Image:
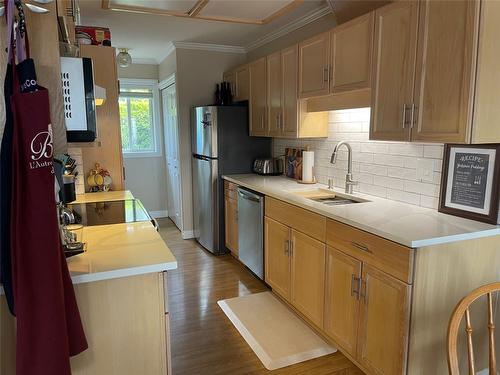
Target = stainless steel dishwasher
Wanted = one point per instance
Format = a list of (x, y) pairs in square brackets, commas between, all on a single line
[(251, 230)]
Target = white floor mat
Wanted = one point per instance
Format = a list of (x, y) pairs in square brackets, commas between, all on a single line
[(277, 336)]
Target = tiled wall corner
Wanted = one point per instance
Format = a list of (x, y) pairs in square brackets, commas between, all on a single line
[(384, 169)]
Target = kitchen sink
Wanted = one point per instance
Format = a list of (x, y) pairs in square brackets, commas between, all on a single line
[(329, 197)]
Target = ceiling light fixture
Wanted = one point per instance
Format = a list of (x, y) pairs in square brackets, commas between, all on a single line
[(124, 59)]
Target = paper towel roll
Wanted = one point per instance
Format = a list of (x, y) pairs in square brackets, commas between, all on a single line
[(307, 166)]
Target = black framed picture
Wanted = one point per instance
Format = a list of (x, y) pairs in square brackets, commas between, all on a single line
[(470, 182)]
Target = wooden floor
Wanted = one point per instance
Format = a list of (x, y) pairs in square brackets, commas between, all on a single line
[(203, 340)]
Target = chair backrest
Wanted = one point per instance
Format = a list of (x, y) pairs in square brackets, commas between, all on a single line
[(463, 308)]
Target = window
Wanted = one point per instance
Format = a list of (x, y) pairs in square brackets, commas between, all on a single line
[(139, 118)]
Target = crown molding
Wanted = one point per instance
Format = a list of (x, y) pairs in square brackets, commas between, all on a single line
[(168, 50), (292, 26), (210, 47)]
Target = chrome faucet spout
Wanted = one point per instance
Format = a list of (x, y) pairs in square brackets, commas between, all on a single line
[(349, 182)]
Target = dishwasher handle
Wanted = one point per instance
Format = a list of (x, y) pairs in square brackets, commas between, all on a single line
[(249, 196)]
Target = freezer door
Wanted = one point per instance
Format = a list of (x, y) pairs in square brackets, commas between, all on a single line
[(205, 202), (204, 131)]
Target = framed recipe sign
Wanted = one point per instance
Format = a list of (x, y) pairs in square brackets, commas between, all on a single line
[(470, 182)]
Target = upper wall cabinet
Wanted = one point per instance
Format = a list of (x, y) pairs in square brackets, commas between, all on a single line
[(258, 98), (425, 94), (351, 54), (393, 69), (239, 81), (314, 67)]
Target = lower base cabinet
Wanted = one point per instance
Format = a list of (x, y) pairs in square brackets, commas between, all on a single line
[(383, 322), (308, 276), (126, 322), (295, 269)]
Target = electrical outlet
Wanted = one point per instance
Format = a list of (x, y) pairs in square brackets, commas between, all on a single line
[(425, 170)]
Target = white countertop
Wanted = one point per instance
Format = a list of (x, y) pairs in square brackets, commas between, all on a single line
[(403, 223), (120, 250)]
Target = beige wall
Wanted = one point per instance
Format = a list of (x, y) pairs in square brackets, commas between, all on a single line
[(168, 66), (145, 71), (197, 74), (146, 178), (323, 24)]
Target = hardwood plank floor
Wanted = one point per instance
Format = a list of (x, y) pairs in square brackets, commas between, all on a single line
[(203, 340)]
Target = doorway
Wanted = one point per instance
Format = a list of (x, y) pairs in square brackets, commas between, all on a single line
[(171, 131)]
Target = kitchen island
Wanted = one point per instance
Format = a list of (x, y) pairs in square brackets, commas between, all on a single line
[(120, 286), (379, 279)]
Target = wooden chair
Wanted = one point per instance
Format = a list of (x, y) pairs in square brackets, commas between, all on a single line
[(463, 309)]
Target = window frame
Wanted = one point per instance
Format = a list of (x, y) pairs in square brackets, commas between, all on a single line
[(152, 85)]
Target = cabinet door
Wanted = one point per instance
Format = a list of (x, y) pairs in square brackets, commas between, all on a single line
[(274, 88), (277, 256), (314, 54), (445, 70), (343, 275), (242, 83), (231, 78), (384, 323), (308, 276), (258, 100), (351, 48), (231, 224), (393, 70), (289, 74)]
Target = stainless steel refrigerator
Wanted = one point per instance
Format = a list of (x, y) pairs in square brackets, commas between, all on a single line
[(221, 145)]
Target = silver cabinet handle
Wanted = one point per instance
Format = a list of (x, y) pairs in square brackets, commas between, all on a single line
[(291, 247), (355, 290), (414, 115), (364, 290), (287, 247), (361, 247), (325, 73), (403, 121)]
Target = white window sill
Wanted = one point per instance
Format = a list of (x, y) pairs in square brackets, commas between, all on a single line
[(135, 155)]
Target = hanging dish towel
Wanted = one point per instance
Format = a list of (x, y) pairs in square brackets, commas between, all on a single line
[(49, 329)]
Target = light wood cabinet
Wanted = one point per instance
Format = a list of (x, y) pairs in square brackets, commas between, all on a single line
[(258, 98), (230, 77), (314, 56), (308, 276), (384, 323), (274, 94), (425, 80), (445, 71), (242, 83), (277, 257), (231, 224), (351, 54), (109, 154), (393, 70), (290, 114), (343, 274)]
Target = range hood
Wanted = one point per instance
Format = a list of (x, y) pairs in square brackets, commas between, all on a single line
[(79, 99)]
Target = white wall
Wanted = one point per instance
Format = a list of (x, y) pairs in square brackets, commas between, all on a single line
[(384, 169), (146, 177), (196, 76)]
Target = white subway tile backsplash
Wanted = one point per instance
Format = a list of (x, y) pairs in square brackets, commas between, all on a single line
[(384, 169)]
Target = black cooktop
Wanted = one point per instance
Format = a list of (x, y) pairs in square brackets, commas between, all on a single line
[(112, 212)]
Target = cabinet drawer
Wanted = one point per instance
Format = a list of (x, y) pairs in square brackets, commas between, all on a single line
[(388, 256), (305, 221), (230, 190)]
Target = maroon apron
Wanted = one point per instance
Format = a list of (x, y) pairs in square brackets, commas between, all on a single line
[(49, 329)]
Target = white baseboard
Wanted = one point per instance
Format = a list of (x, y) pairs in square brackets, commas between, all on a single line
[(158, 214), (187, 234)]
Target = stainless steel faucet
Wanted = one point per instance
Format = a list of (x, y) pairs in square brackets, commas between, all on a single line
[(349, 182)]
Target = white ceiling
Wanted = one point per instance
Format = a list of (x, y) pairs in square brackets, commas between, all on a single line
[(149, 36)]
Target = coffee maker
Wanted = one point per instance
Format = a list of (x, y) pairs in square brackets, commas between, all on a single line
[(63, 166)]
